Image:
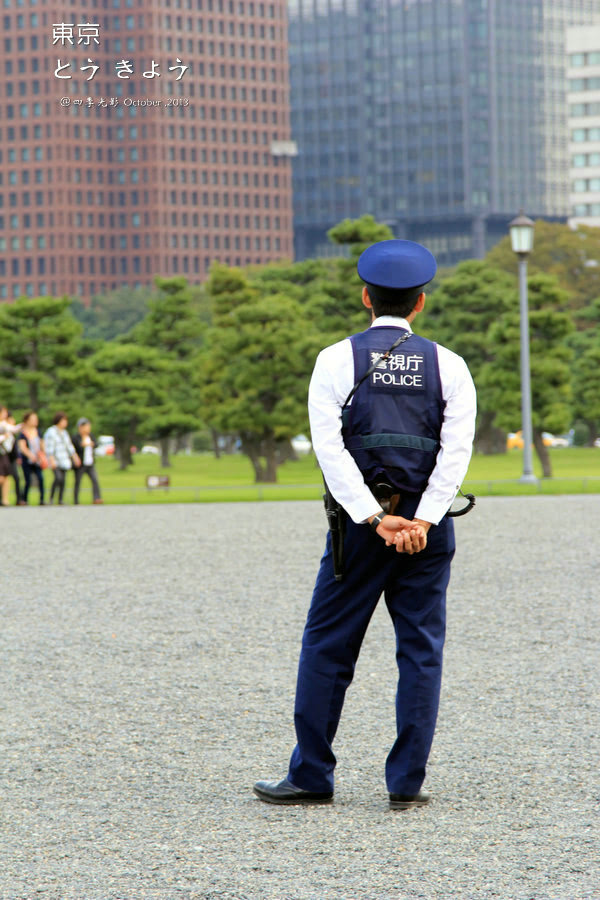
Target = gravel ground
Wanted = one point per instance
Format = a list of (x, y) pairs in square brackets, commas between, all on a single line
[(147, 672)]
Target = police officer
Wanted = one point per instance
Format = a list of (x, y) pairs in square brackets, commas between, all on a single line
[(410, 426)]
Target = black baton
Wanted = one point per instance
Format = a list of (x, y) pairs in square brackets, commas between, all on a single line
[(336, 517)]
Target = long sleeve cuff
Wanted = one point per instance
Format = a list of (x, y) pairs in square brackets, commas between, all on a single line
[(360, 510), (431, 510)]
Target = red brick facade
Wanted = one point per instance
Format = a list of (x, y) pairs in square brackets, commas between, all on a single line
[(178, 173)]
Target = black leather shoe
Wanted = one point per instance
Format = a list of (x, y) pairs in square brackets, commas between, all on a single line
[(286, 792), (409, 801)]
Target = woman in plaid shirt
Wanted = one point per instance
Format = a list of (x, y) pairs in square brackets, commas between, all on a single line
[(61, 454)]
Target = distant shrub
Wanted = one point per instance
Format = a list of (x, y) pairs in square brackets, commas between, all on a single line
[(202, 441), (581, 434)]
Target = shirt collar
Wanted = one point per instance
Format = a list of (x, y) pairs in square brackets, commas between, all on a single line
[(394, 321)]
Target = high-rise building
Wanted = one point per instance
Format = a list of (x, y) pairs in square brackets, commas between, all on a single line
[(583, 47), (440, 117), (140, 138)]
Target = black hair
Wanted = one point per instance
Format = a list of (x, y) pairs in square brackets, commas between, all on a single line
[(58, 417), (392, 302)]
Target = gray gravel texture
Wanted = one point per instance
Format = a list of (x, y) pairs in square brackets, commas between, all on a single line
[(147, 666)]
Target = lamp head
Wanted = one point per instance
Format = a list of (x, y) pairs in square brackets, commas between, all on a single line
[(521, 234)]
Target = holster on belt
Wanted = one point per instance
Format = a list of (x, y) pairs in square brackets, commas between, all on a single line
[(387, 496)]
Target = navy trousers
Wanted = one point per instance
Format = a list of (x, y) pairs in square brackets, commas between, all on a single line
[(415, 594)]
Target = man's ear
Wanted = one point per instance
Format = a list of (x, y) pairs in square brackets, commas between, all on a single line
[(417, 308), (366, 299)]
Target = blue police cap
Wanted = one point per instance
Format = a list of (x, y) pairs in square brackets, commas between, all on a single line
[(397, 265)]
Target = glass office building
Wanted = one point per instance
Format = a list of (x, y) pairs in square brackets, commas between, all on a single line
[(583, 46), (440, 117)]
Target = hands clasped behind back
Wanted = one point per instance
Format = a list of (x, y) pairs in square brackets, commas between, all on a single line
[(408, 536)]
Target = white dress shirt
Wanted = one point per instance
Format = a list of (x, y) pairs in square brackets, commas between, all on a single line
[(331, 382), (88, 453)]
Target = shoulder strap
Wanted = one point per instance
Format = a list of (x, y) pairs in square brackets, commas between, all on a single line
[(371, 369)]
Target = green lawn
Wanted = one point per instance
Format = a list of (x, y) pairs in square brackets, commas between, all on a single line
[(574, 470), (204, 478)]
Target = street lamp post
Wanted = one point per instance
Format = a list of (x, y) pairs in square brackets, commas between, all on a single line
[(521, 237)]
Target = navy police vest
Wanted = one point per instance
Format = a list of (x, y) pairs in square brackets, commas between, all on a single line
[(392, 427)]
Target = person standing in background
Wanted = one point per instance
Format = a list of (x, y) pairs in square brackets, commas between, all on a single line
[(15, 459), (9, 456), (31, 449), (61, 454), (84, 443), (7, 439)]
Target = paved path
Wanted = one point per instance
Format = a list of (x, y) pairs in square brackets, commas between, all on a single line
[(147, 669)]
